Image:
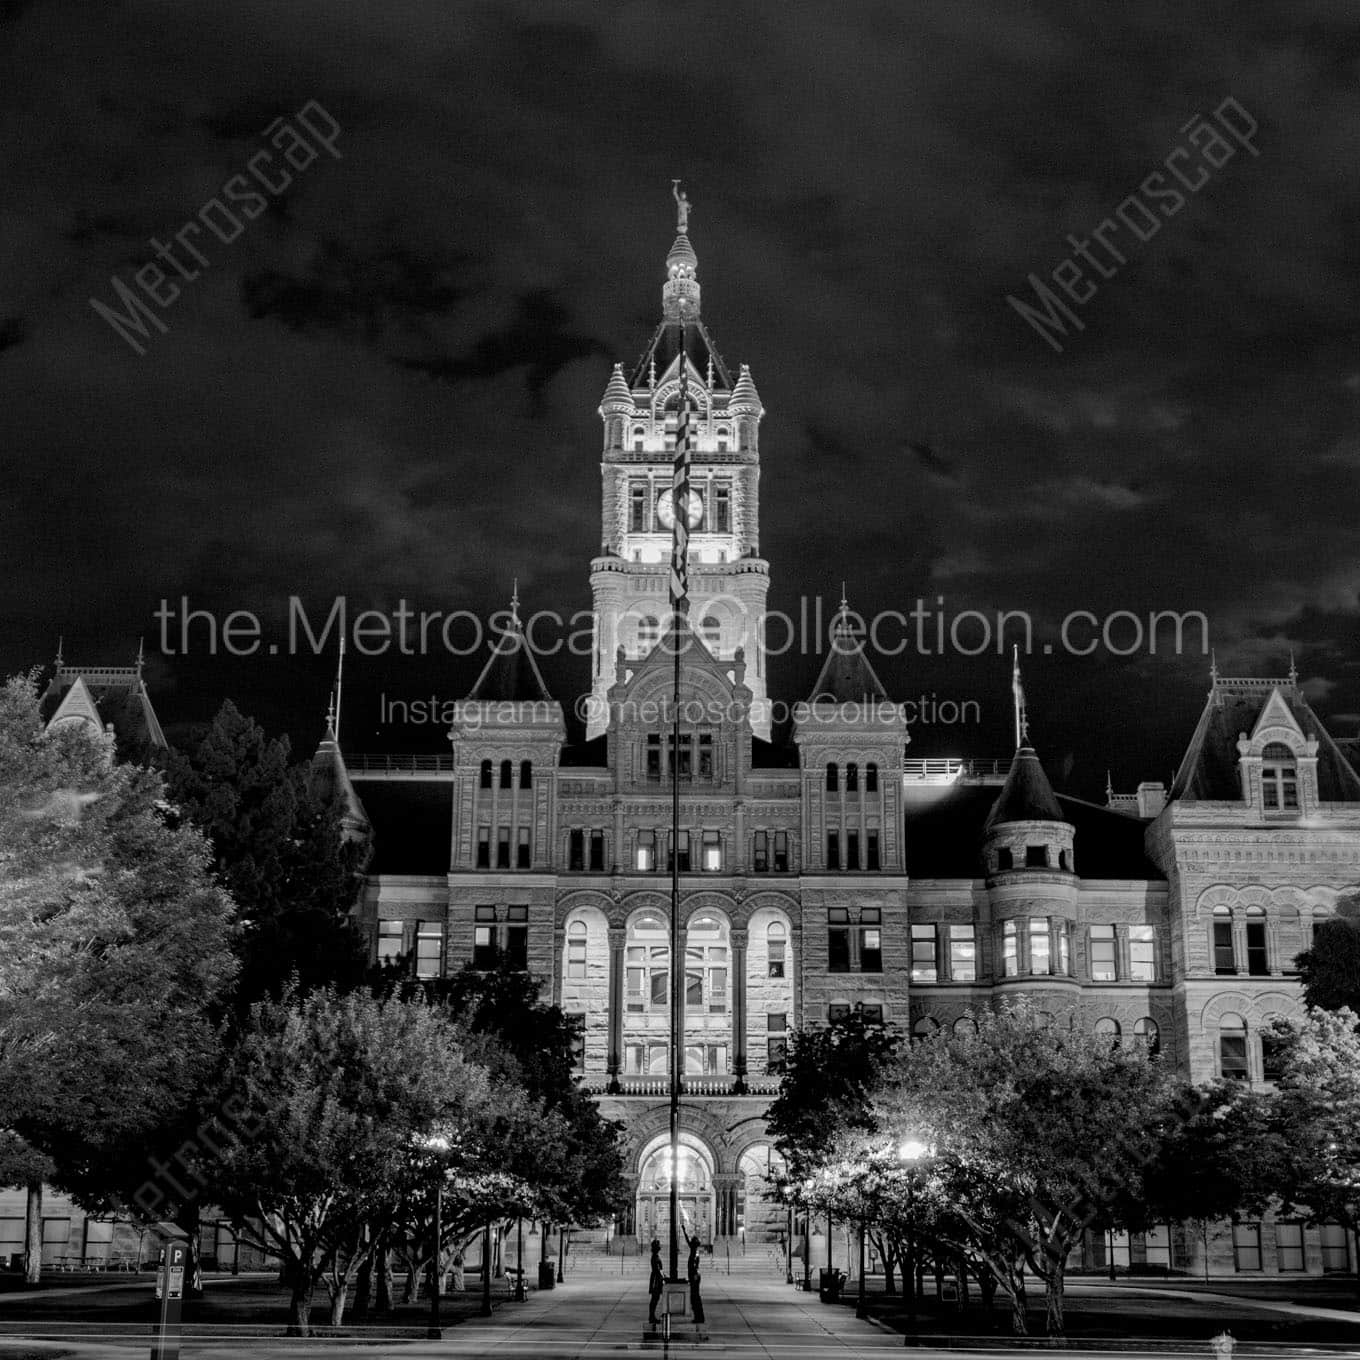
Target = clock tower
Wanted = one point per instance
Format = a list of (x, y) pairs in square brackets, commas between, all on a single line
[(728, 579)]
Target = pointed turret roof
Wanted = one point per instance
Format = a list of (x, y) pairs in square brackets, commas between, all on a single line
[(744, 394), (1026, 796), (511, 674), (847, 676), (105, 696), (616, 397), (664, 348), (329, 779)]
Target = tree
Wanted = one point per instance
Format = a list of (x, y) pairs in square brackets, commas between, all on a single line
[(1330, 968), (1318, 1108), (114, 946), (281, 852), (326, 1101), (1051, 1124)]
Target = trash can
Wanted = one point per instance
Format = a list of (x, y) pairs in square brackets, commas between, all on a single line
[(547, 1274)]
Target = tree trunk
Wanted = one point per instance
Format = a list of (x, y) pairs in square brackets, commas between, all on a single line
[(1053, 1300), (987, 1287), (363, 1290), (1019, 1322), (962, 1268), (300, 1305), (33, 1234), (338, 1302), (1355, 1240), (383, 1266), (187, 1221), (408, 1294)]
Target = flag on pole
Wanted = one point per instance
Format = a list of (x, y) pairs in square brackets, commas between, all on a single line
[(1018, 691), (680, 495)]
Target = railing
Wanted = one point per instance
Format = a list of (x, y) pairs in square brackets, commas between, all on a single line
[(950, 769), (597, 1084), (410, 767)]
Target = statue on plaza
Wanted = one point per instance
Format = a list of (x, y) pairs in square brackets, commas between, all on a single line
[(656, 1282), (696, 1304)]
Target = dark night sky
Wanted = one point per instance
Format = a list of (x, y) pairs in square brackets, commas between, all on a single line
[(386, 386)]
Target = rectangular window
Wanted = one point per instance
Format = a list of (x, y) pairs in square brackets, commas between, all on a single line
[(389, 941), (1257, 964), (1334, 1254), (639, 497), (760, 852), (1040, 961), (705, 1060), (712, 851), (597, 851), (837, 1011), (852, 850), (683, 846), (522, 852), (484, 938), (838, 940), (576, 958), (660, 986), (722, 507), (576, 850), (1232, 1056), (870, 941), (777, 1022), (654, 758), (962, 954), (645, 859), (776, 948), (429, 950), (776, 1054), (685, 764), (1036, 857), (717, 991), (1143, 953), (483, 847), (1247, 1246), (833, 850), (871, 862), (1225, 959), (517, 937), (635, 978), (872, 1013), (781, 852), (1010, 949), (1062, 937), (1289, 1246), (503, 847), (923, 964), (577, 1021), (1272, 1058), (694, 991), (705, 756), (634, 1060), (1103, 965)]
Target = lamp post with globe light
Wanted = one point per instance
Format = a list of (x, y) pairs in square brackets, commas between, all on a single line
[(436, 1144), (910, 1153)]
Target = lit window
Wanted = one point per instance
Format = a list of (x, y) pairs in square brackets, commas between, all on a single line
[(389, 941), (1062, 937), (645, 858), (1103, 965), (1010, 948), (484, 938), (1143, 953), (1040, 945), (1279, 778), (923, 965), (429, 950), (962, 954)]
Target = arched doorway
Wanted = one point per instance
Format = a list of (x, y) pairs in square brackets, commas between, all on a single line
[(761, 1218), (694, 1176)]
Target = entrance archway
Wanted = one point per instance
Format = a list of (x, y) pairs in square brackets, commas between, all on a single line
[(762, 1219), (694, 1176)]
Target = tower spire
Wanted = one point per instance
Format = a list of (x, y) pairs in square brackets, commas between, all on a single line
[(680, 292), (333, 717), (514, 601), (1018, 694)]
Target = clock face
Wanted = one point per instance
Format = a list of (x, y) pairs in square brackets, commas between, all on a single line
[(694, 509)]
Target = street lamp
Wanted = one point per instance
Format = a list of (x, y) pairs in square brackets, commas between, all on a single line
[(910, 1152), (807, 1238), (436, 1144)]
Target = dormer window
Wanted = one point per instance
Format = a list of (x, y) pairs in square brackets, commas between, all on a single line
[(1279, 779)]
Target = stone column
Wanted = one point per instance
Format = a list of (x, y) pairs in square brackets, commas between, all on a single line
[(617, 936), (738, 943)]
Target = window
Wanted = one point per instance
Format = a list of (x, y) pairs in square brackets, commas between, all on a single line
[(597, 851), (641, 1060), (781, 852), (645, 858), (1232, 1048), (776, 945), (705, 756), (760, 852), (389, 941), (871, 862), (484, 938), (1062, 937), (722, 496), (871, 1012), (576, 850), (1247, 1246), (577, 939), (486, 774), (712, 852), (712, 633), (1272, 1057), (1010, 948), (1143, 953), (1145, 1032), (1004, 859), (852, 850), (870, 941), (871, 778), (777, 1022), (962, 954), (483, 847), (964, 1026), (503, 847), (1289, 1245), (1103, 965), (639, 434), (837, 1010), (684, 765), (832, 778), (507, 773), (1334, 1253), (654, 758), (706, 965), (924, 1027), (1036, 857), (429, 949), (706, 1060), (1108, 1028), (838, 940), (647, 966), (638, 496), (776, 1054), (522, 849), (1257, 962), (577, 1021), (682, 845), (1040, 944), (833, 850), (1225, 955), (1279, 778), (517, 937), (923, 965), (852, 778), (648, 634)]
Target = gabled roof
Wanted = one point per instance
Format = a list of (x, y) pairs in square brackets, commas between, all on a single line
[(105, 695), (1026, 796), (664, 348), (1209, 771), (847, 677), (511, 674)]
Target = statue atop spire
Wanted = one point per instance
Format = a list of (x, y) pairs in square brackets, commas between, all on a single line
[(681, 207)]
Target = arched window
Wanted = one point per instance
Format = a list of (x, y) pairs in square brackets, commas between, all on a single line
[(576, 951), (486, 774), (507, 772), (1145, 1032), (852, 778), (1258, 956), (776, 944), (526, 774), (924, 1027), (649, 633), (833, 781), (1221, 941), (639, 436), (1232, 1048), (1279, 778), (706, 971), (964, 1026), (724, 434), (712, 633), (1108, 1028), (871, 778)]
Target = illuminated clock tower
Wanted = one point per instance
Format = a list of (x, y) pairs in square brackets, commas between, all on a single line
[(728, 579)]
